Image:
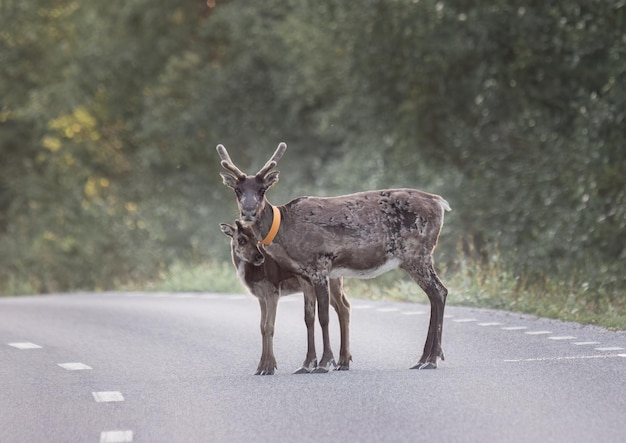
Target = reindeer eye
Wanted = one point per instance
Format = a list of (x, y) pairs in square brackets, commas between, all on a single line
[(241, 241)]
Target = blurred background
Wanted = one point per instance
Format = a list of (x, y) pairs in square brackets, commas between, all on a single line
[(110, 113)]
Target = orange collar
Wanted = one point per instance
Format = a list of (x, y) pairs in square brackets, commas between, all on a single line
[(274, 229)]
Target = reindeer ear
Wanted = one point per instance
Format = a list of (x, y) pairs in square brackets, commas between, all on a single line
[(229, 180), (270, 179), (227, 229)]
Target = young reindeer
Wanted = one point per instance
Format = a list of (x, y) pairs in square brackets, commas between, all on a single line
[(359, 235), (268, 281)]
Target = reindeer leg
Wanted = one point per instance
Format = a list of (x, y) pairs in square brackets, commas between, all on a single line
[(424, 275), (263, 341), (340, 302), (269, 304), (322, 296), (310, 361)]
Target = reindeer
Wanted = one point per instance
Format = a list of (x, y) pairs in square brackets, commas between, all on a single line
[(359, 235), (267, 281)]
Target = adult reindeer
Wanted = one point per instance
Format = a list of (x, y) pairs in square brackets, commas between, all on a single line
[(359, 235), (268, 281)]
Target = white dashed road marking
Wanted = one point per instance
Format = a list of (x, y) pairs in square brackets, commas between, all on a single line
[(586, 343), (107, 396), (116, 436), (609, 348), (387, 309), (562, 337), (491, 323), (74, 366), (574, 357), (362, 307), (464, 320), (538, 332), (413, 313), (514, 328), (25, 345)]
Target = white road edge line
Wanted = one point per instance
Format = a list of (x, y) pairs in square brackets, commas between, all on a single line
[(107, 396), (24, 345), (116, 436), (575, 357), (74, 366)]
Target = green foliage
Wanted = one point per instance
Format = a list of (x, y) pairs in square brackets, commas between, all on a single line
[(110, 112)]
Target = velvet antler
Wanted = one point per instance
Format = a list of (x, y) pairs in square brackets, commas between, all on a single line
[(227, 163), (272, 162)]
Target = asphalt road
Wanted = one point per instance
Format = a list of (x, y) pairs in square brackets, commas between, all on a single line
[(148, 367)]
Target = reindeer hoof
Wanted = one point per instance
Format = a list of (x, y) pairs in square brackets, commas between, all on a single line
[(428, 365), (323, 369), (264, 372), (307, 368), (344, 363)]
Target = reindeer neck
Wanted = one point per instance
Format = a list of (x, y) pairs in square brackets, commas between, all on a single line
[(264, 223)]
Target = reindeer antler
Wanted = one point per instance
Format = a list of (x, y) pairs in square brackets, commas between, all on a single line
[(227, 163), (272, 162)]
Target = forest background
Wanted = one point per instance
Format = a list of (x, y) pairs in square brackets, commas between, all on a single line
[(515, 113)]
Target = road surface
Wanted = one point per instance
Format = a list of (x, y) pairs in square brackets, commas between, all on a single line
[(152, 367)]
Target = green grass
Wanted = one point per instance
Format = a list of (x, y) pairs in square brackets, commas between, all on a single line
[(16, 285), (572, 298)]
